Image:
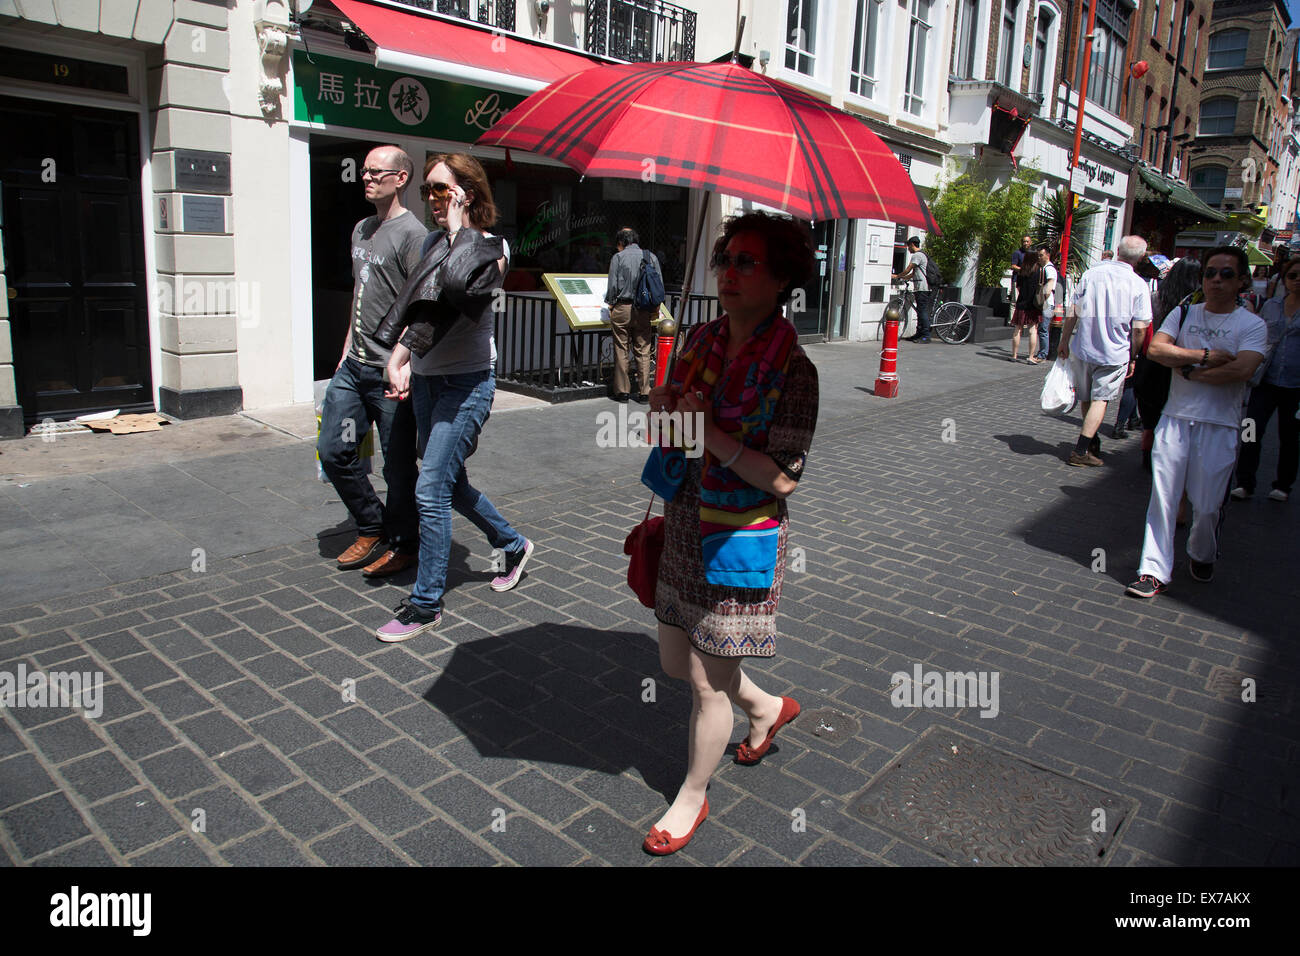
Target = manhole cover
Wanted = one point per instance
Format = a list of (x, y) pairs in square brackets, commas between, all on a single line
[(1227, 684), (973, 805), (829, 724)]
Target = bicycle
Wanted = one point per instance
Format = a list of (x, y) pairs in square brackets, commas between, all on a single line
[(905, 300), (952, 322)]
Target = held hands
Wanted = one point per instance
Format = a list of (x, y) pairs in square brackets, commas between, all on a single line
[(399, 381)]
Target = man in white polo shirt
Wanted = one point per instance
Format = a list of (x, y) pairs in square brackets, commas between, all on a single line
[(1111, 310), (1214, 350)]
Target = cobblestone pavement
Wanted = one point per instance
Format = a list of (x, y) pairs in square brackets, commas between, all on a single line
[(250, 717)]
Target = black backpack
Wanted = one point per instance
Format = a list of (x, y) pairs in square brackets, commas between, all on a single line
[(649, 293), (933, 277)]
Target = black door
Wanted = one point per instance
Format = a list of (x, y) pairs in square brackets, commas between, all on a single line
[(74, 258)]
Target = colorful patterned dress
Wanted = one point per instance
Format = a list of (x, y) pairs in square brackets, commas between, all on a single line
[(730, 621)]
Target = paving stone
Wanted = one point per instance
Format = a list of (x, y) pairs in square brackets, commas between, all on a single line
[(241, 645), (265, 849), (438, 844), (299, 642), (177, 644), (177, 772), (43, 825), (317, 697), (89, 853), (116, 645), (135, 821), (411, 764), (177, 699), (462, 799), (332, 766), (304, 811), (143, 671), (141, 736), (527, 844), (246, 699), (355, 847), (546, 798), (382, 695), (321, 620), (99, 776), (225, 815), (182, 851), (386, 807), (67, 738), (257, 770), (209, 623), (214, 733), (360, 728), (287, 731)]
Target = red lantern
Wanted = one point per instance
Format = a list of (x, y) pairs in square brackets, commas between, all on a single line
[(1139, 69)]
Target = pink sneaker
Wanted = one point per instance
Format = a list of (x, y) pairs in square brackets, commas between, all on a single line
[(514, 568), (410, 622)]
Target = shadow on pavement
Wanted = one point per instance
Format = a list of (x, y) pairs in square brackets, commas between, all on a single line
[(571, 695)]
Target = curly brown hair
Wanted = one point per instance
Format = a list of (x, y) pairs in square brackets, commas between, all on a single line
[(789, 249), (471, 177)]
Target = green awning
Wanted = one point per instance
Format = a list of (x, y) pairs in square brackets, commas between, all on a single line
[(1257, 256), (1152, 187)]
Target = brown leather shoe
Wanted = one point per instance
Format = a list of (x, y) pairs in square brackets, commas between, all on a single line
[(393, 562), (363, 551)]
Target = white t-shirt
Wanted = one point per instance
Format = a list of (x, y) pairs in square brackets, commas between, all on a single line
[(1050, 275), (919, 261), (1238, 331), (1109, 299)]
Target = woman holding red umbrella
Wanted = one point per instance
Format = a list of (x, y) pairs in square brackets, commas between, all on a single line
[(725, 516)]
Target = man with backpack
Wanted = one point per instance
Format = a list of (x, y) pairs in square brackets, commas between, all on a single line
[(634, 293), (922, 270)]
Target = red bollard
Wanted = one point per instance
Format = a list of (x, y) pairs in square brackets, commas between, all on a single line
[(664, 350), (887, 381)]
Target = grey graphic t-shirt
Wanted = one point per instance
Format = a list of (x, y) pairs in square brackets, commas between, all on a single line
[(383, 255)]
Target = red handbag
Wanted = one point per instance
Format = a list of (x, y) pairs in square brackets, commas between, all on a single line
[(645, 546)]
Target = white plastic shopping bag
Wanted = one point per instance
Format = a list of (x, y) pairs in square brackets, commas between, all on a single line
[(1058, 390)]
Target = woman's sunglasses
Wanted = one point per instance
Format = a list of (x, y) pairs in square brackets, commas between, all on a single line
[(743, 262), (434, 189)]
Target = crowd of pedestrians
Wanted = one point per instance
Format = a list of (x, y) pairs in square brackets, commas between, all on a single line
[(419, 361)]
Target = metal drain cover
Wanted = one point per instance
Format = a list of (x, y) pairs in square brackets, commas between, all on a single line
[(829, 724), (974, 805)]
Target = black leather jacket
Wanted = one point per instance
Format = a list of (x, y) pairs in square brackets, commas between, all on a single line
[(452, 280)]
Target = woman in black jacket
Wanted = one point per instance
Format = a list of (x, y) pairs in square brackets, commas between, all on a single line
[(445, 360)]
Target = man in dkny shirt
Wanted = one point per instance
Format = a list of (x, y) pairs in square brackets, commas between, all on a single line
[(385, 249)]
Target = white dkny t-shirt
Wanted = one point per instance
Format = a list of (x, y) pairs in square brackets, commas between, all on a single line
[(1238, 331)]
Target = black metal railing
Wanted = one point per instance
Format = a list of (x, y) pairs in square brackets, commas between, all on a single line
[(538, 354), (640, 31), (491, 13)]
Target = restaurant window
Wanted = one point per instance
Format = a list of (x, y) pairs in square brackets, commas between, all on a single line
[(1218, 117), (1208, 183), (1227, 50), (801, 37), (918, 40), (866, 35)]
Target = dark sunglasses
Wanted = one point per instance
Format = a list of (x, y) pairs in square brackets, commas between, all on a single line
[(1292, 276), (434, 189), (743, 262), (1228, 274)]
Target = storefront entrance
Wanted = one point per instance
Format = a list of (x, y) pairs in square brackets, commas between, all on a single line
[(74, 258), (825, 312)]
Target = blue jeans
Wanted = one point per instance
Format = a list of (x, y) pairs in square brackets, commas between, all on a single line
[(450, 411), (1045, 332), (923, 303), (356, 395)]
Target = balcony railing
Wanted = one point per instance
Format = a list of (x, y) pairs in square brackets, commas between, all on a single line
[(490, 13), (640, 31)]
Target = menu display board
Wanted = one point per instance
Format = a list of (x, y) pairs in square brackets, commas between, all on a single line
[(582, 299)]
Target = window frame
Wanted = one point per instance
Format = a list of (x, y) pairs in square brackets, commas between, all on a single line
[(812, 35), (1210, 52), (918, 29), (1197, 189), (880, 78), (1200, 118), (1049, 60)]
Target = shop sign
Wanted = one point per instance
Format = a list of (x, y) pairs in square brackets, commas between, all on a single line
[(340, 92), (1097, 174)]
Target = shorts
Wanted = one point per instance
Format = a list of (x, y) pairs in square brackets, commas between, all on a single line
[(1097, 383)]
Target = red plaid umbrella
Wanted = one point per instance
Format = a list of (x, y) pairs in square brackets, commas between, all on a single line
[(719, 127)]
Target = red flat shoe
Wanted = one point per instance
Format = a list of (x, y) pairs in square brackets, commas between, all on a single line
[(661, 842), (747, 755)]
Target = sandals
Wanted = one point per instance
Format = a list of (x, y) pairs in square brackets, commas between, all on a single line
[(747, 755)]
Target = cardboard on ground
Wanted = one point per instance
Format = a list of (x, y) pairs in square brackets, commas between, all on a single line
[(581, 296), (128, 424)]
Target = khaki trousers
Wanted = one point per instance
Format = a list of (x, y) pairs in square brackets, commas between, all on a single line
[(631, 324)]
